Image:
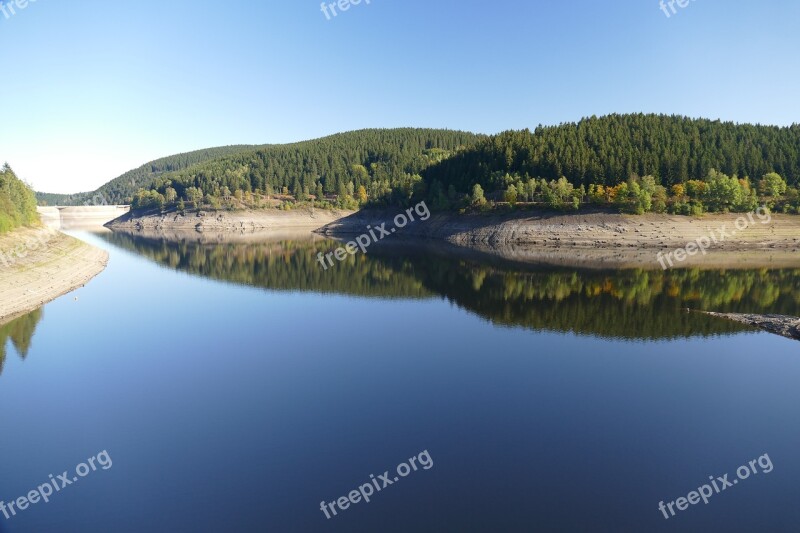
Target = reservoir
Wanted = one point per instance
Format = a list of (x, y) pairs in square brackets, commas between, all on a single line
[(237, 385)]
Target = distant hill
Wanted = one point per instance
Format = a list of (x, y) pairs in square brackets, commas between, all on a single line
[(17, 201), (609, 149), (634, 163), (122, 189), (380, 160), (382, 165)]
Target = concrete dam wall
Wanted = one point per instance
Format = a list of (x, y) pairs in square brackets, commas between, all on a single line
[(79, 217)]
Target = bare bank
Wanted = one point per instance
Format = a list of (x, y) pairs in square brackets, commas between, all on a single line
[(38, 265), (228, 221), (603, 239), (587, 239)]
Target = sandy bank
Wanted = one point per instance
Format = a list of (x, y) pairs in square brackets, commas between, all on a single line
[(589, 230), (191, 236), (229, 221), (602, 240), (592, 240), (39, 265)]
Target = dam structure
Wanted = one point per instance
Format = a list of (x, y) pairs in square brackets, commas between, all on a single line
[(80, 217)]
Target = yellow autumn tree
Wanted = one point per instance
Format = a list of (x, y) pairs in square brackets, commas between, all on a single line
[(361, 196)]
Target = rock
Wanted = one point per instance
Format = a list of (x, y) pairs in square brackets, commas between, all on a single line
[(785, 326)]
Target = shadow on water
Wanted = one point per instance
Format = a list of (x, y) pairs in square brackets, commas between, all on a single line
[(627, 304), (20, 332)]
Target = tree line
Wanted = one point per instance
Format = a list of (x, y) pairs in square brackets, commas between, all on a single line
[(716, 193), (17, 201), (344, 170), (636, 162), (633, 163)]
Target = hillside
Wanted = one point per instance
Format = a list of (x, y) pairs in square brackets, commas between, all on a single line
[(632, 163), (17, 201), (382, 165), (692, 165), (607, 150), (122, 189)]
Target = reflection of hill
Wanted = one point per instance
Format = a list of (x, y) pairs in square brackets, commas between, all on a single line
[(20, 331), (289, 265), (633, 304)]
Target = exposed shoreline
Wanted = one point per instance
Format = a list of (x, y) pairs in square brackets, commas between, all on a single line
[(50, 265), (591, 239), (601, 240), (246, 221), (587, 230)]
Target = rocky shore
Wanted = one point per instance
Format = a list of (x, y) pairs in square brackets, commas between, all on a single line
[(785, 326)]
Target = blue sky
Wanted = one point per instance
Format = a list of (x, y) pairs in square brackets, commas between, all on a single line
[(94, 88)]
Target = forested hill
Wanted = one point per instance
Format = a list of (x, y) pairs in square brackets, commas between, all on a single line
[(608, 150), (379, 164), (636, 163), (17, 201), (122, 189)]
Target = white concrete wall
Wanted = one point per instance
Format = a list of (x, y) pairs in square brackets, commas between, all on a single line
[(50, 216), (80, 216)]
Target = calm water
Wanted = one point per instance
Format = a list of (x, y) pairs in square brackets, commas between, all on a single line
[(237, 386)]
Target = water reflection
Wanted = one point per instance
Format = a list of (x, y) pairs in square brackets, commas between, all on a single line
[(628, 304), (20, 331)]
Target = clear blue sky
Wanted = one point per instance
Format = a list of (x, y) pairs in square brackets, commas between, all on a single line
[(93, 88)]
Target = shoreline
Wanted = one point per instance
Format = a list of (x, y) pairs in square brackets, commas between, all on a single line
[(50, 264), (245, 221), (586, 230), (601, 240), (785, 326), (592, 239)]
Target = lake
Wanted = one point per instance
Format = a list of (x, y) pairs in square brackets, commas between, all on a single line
[(236, 386)]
